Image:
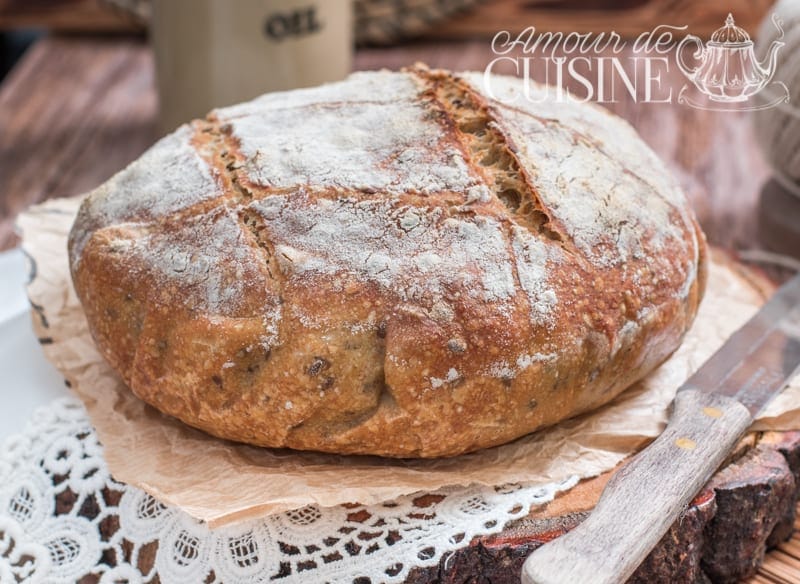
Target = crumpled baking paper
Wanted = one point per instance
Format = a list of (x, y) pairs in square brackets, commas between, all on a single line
[(221, 482)]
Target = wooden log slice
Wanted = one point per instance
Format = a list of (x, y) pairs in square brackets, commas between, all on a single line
[(748, 507)]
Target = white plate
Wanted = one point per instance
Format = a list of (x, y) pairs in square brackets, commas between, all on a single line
[(27, 379)]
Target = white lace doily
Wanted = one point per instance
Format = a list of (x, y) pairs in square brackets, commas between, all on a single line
[(62, 517)]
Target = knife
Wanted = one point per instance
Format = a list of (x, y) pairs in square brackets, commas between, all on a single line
[(710, 413)]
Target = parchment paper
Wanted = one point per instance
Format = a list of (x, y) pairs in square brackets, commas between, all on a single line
[(221, 482)]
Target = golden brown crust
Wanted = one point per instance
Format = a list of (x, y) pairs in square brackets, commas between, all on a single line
[(454, 288)]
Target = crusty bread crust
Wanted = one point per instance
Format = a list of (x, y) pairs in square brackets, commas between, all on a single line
[(407, 264)]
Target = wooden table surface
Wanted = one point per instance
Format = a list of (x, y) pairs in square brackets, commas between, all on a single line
[(75, 110)]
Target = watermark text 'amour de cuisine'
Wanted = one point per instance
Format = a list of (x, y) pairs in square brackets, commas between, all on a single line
[(601, 64)]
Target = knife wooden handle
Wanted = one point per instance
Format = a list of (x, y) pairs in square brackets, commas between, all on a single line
[(644, 498)]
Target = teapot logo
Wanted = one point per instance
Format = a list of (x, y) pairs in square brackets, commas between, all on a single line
[(727, 73)]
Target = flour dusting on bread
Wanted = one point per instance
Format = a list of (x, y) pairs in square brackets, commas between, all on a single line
[(416, 256)]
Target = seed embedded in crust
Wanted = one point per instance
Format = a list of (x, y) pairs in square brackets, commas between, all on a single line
[(457, 345), (318, 365)]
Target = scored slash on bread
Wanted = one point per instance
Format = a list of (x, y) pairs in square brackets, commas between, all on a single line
[(407, 264)]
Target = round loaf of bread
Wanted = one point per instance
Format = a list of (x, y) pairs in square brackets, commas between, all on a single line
[(408, 264)]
